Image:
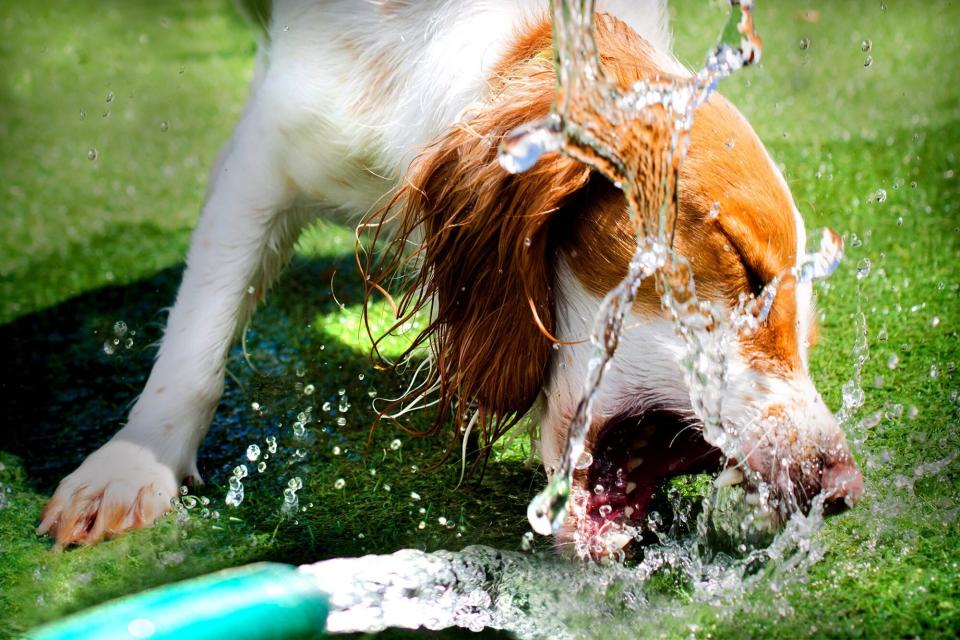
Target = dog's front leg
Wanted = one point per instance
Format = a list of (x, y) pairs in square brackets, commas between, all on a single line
[(244, 236)]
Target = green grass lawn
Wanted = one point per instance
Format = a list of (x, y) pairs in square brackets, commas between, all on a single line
[(110, 116)]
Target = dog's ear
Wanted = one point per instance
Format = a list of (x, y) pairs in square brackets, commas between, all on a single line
[(484, 257)]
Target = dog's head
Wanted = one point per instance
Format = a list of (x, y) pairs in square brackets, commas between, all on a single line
[(512, 269)]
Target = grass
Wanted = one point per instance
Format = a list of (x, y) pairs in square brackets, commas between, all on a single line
[(88, 242)]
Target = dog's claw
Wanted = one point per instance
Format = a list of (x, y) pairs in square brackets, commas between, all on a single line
[(118, 488)]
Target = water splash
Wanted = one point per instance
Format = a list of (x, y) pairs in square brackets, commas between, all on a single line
[(535, 596), (591, 118)]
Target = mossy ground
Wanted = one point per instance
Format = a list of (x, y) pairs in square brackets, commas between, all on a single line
[(88, 242)]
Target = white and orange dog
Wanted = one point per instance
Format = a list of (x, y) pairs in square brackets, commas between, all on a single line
[(355, 103)]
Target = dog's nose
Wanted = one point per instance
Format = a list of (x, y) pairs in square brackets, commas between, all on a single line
[(842, 486)]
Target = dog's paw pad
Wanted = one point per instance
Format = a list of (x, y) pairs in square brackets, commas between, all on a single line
[(117, 488)]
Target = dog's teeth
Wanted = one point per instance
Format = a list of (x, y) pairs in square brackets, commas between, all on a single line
[(753, 499), (628, 511), (630, 487), (618, 540), (728, 477), (633, 463)]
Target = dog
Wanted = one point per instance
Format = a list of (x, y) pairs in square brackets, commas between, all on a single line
[(355, 104)]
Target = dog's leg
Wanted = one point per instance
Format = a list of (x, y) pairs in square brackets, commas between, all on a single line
[(245, 234)]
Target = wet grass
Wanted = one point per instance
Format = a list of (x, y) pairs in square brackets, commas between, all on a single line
[(88, 242)]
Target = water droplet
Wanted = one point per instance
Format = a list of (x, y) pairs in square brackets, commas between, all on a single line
[(522, 148), (291, 503), (253, 453), (853, 395), (415, 496), (234, 497), (341, 391), (863, 268), (336, 451), (867, 61), (255, 406), (526, 242), (526, 541), (164, 125), (109, 97), (880, 195), (935, 322), (339, 484), (308, 390), (240, 471), (271, 443), (298, 429), (261, 467), (585, 460), (714, 212), (934, 371), (295, 483), (866, 45), (422, 525), (893, 361), (341, 421), (92, 154), (83, 114), (396, 444), (360, 377), (598, 489), (804, 44)]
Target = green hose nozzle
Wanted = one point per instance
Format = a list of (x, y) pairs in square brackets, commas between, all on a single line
[(263, 600)]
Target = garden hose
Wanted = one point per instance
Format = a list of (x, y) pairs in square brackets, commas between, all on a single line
[(257, 601)]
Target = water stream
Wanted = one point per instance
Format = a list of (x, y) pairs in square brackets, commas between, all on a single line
[(712, 554), (712, 558)]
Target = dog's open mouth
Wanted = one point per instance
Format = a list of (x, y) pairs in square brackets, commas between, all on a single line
[(632, 457)]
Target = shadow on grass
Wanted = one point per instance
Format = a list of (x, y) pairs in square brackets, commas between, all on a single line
[(64, 396)]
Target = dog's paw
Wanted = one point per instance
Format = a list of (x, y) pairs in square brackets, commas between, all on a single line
[(119, 487)]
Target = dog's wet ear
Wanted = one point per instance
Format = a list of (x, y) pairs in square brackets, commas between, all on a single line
[(484, 258)]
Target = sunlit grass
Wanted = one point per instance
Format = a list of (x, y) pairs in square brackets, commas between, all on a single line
[(87, 242)]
